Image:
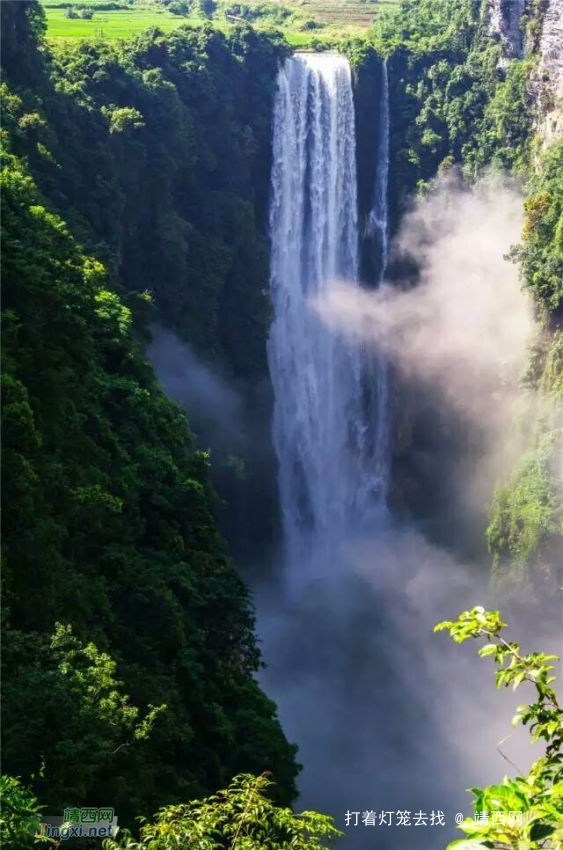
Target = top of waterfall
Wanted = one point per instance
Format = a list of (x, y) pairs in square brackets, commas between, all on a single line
[(319, 56), (323, 63)]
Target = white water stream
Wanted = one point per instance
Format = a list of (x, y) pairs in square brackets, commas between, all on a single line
[(330, 396)]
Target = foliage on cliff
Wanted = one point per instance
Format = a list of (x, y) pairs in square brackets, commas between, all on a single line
[(541, 252), (156, 151), (526, 527), (109, 526), (452, 99)]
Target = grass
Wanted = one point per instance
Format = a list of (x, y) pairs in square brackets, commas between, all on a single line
[(339, 18), (120, 23), (301, 39)]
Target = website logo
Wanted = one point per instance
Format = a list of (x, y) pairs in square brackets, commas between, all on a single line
[(87, 822)]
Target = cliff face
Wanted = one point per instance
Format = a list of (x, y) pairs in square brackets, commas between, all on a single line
[(549, 89), (551, 45), (507, 23), (504, 22)]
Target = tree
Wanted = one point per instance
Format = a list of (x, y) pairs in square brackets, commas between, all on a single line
[(206, 7), (20, 816), (241, 816), (539, 795), (88, 730), (23, 26)]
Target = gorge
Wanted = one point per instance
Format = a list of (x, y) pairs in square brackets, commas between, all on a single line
[(282, 389)]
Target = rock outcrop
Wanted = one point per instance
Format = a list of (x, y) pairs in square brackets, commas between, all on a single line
[(505, 18), (549, 86)]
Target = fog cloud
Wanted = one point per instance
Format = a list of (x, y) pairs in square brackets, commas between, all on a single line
[(387, 714), (214, 407), (465, 327)]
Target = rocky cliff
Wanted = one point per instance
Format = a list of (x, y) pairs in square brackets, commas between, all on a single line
[(505, 17), (549, 88)]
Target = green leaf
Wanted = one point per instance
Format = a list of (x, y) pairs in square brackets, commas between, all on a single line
[(540, 831)]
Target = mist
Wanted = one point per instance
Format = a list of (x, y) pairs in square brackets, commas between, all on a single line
[(214, 406), (231, 420), (387, 714), (466, 326), (459, 336)]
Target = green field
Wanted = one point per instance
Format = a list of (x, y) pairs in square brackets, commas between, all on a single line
[(335, 19), (111, 24)]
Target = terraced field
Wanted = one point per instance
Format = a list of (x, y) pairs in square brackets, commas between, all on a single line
[(345, 12)]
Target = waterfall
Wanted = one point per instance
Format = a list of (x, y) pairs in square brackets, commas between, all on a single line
[(378, 217), (337, 636), (323, 431), (378, 224)]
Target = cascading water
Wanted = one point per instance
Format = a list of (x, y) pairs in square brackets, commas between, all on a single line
[(333, 643), (378, 221), (378, 225), (323, 430)]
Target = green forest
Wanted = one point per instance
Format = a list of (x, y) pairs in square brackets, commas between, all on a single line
[(136, 185)]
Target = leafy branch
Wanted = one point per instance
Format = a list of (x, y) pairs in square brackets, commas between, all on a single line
[(241, 817), (539, 795)]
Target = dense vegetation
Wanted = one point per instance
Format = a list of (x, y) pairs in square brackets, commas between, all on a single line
[(453, 99), (129, 650), (108, 526), (527, 512), (241, 815), (157, 153)]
